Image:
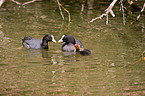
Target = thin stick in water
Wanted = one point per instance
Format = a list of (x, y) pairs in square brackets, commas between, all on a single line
[(122, 8), (18, 3), (29, 2), (60, 10), (141, 12), (64, 9)]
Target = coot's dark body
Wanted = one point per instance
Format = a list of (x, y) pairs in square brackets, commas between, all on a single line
[(85, 52), (30, 42), (69, 42)]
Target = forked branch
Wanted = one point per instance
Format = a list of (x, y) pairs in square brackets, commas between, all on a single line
[(108, 10), (60, 6)]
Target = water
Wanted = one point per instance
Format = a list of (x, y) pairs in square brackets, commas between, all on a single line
[(109, 71)]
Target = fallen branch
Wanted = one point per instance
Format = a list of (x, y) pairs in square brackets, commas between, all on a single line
[(137, 61), (18, 3), (122, 8), (130, 2), (60, 10), (29, 2), (64, 9), (82, 9), (143, 58), (141, 11), (108, 10), (1, 2)]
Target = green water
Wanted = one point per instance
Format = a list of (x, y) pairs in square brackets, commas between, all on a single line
[(108, 71)]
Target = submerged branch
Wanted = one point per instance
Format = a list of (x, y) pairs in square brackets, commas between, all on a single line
[(1, 2), (130, 2), (60, 10), (64, 9), (122, 8), (143, 58), (141, 11), (29, 2), (137, 61), (108, 10), (18, 3), (82, 9)]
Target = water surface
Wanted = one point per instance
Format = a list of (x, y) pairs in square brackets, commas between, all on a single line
[(108, 71)]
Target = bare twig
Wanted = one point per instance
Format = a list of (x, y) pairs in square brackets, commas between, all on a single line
[(137, 61), (64, 9), (107, 19), (122, 8), (130, 2), (108, 10), (1, 2), (18, 3), (82, 9), (29, 2), (60, 10), (141, 11)]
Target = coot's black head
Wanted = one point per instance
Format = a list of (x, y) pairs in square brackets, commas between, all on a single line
[(48, 38), (67, 39)]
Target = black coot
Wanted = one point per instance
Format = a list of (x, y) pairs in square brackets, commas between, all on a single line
[(69, 42), (30, 42)]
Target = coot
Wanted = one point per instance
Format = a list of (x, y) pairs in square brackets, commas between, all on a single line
[(82, 51), (30, 42), (69, 42)]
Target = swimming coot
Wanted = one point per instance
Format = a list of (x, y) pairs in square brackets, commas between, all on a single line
[(69, 42), (30, 42), (82, 51)]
